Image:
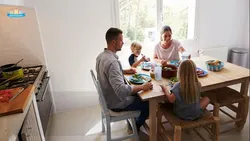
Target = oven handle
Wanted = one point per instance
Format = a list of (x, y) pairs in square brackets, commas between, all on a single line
[(45, 87)]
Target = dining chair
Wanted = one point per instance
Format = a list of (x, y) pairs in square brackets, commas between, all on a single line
[(228, 97), (110, 116), (206, 121)]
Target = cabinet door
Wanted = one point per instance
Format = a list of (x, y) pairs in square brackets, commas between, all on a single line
[(30, 131)]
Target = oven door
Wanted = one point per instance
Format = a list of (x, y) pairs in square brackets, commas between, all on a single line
[(44, 102)]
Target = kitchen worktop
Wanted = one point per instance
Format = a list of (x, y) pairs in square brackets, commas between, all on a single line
[(11, 124)]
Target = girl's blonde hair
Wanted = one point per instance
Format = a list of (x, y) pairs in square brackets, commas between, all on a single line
[(135, 46), (189, 84)]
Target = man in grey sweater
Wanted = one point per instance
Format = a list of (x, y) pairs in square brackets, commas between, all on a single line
[(119, 96)]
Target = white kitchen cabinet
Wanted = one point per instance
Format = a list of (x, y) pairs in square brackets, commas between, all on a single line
[(30, 130), (12, 2)]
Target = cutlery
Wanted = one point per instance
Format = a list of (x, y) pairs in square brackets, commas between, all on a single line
[(127, 81)]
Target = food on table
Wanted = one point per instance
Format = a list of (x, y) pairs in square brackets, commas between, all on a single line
[(173, 80), (214, 63), (167, 68), (5, 95), (199, 72), (140, 78), (137, 77)]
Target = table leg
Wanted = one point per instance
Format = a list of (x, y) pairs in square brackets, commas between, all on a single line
[(243, 106), (152, 120)]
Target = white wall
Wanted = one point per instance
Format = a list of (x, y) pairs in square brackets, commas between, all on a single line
[(73, 34), (221, 23), (12, 2)]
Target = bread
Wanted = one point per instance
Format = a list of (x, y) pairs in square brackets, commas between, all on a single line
[(214, 63)]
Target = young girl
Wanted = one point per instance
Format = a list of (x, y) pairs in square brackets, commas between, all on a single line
[(185, 94), (136, 51)]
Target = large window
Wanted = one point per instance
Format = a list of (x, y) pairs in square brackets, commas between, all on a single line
[(141, 21)]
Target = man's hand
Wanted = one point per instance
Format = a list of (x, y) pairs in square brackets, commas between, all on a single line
[(147, 86), (129, 71)]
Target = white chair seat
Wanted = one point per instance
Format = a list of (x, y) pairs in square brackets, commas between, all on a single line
[(117, 116)]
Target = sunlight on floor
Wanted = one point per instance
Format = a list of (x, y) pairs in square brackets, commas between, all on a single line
[(96, 129)]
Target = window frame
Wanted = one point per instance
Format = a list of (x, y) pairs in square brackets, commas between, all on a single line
[(159, 13)]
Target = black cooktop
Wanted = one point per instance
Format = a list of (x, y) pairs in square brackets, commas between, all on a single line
[(30, 75)]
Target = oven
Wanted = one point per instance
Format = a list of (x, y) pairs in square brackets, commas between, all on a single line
[(44, 101), (38, 76)]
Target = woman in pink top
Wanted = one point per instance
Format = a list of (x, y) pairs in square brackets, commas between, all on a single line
[(167, 49)]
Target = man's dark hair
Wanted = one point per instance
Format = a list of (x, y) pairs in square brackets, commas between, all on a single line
[(166, 28), (112, 34)]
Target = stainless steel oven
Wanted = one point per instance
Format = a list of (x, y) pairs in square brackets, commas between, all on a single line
[(44, 102)]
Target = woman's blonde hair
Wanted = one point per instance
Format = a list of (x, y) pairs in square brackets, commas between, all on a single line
[(189, 84), (135, 46)]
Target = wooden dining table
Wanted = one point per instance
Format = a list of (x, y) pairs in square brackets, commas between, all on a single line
[(230, 74)]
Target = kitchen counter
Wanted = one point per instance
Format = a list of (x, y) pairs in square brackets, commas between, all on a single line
[(10, 125)]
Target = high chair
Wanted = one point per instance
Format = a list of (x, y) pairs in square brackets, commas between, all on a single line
[(207, 121)]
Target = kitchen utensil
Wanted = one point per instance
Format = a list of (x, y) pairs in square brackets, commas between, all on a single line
[(13, 71), (214, 67), (9, 65), (127, 81), (11, 78), (139, 78), (174, 62), (169, 71), (19, 92), (19, 104)]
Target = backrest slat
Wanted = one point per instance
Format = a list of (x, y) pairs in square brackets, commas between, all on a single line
[(99, 91)]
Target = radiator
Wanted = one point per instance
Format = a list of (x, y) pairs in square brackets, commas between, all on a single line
[(220, 53)]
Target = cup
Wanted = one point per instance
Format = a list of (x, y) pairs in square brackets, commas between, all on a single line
[(158, 72), (185, 56)]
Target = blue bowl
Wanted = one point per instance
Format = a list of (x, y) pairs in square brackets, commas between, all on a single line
[(214, 67), (175, 62)]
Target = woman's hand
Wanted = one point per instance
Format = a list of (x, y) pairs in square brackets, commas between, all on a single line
[(164, 62)]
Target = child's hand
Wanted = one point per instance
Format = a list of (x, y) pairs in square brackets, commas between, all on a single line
[(143, 58)]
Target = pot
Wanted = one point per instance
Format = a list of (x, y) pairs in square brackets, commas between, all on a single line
[(9, 65), (169, 71), (12, 72)]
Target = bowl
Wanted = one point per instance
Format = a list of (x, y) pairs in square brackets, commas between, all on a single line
[(169, 71), (214, 67)]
